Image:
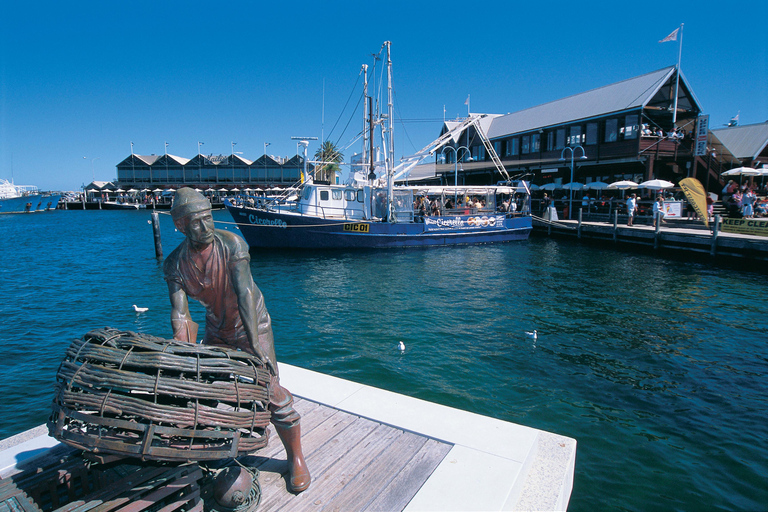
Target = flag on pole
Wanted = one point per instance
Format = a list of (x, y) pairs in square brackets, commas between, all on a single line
[(467, 101), (671, 37)]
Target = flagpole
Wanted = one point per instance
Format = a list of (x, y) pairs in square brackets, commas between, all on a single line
[(677, 82)]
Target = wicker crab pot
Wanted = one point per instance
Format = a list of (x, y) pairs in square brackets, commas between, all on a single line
[(130, 394)]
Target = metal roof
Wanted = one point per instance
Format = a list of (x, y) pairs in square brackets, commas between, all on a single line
[(746, 141), (629, 94)]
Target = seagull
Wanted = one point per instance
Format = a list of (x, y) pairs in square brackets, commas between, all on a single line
[(534, 334), (138, 309), (401, 346)]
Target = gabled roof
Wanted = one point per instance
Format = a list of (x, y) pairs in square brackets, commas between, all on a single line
[(139, 159), (746, 141), (172, 159), (239, 160), (630, 94)]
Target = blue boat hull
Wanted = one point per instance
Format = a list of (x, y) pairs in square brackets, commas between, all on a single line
[(266, 229), (24, 204)]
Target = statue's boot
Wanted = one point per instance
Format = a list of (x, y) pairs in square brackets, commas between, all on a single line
[(299, 478)]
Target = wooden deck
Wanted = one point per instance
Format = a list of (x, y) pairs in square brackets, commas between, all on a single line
[(367, 449), (356, 464)]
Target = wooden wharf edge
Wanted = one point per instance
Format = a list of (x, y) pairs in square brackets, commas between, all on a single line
[(672, 237), (371, 449)]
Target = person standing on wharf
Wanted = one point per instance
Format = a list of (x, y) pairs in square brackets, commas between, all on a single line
[(213, 267)]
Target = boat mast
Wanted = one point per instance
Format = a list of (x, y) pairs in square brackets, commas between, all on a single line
[(391, 142), (365, 115)]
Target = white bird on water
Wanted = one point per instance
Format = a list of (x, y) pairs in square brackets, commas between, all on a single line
[(401, 346), (138, 309), (534, 334)]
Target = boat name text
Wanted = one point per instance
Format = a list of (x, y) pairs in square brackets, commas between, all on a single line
[(253, 219)]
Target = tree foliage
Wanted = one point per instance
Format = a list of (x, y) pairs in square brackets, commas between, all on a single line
[(330, 155)]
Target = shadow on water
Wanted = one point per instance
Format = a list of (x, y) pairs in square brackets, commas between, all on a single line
[(655, 366)]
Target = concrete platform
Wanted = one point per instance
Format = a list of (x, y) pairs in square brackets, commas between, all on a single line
[(453, 460)]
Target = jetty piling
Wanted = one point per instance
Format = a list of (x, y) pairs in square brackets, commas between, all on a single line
[(156, 233)]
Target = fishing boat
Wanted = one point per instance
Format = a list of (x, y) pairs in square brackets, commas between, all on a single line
[(370, 211)]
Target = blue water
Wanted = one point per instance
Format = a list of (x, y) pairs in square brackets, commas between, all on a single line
[(657, 368)]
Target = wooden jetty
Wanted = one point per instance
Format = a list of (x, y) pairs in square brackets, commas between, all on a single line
[(367, 449), (674, 237)]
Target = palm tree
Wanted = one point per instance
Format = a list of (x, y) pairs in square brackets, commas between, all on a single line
[(329, 154)]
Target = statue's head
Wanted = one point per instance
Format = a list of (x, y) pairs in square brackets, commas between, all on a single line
[(191, 212)]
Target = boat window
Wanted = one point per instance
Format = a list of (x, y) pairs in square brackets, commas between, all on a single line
[(349, 195), (336, 194), (323, 195), (307, 192), (359, 196)]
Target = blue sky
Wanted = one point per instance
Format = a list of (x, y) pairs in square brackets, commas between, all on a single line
[(85, 79)]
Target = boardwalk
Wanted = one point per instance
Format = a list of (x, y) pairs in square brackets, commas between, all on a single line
[(367, 449), (673, 237)]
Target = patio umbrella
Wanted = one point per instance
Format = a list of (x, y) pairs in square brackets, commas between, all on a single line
[(119, 190), (596, 185), (235, 190), (741, 171), (573, 186), (623, 185), (550, 186), (158, 190), (531, 186), (656, 184)]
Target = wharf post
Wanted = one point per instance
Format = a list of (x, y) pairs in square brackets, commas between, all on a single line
[(656, 232), (715, 232), (578, 235), (615, 225), (156, 233)]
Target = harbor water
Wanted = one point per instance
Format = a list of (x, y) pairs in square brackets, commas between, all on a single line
[(656, 367)]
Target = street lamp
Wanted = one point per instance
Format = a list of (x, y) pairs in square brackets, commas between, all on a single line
[(562, 158), (456, 167)]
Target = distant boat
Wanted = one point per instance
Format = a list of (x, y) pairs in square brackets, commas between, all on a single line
[(115, 205), (370, 211)]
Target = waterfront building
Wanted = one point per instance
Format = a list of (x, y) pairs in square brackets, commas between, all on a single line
[(626, 130), (208, 171), (749, 143)]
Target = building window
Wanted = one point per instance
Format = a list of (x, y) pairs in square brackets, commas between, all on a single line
[(478, 153), (497, 147), (560, 139), (535, 143), (591, 134), (526, 144), (611, 130), (575, 137), (630, 127), (550, 141), (514, 146)]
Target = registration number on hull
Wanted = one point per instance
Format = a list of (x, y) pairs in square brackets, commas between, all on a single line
[(357, 227)]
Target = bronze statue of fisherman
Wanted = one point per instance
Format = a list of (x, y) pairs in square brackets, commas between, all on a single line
[(213, 267)]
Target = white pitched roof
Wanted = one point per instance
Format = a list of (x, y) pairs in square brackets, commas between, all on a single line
[(746, 141), (625, 95)]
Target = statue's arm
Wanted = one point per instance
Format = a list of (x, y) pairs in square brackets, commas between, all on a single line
[(247, 302), (184, 329)]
